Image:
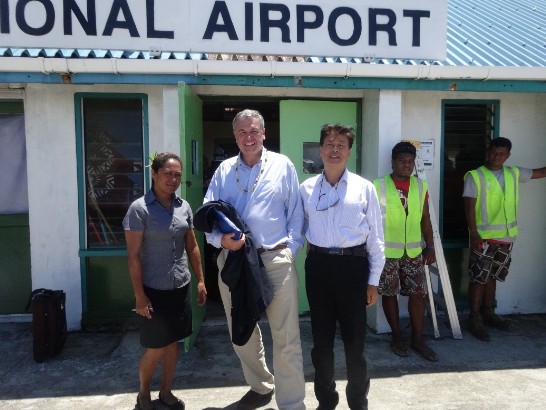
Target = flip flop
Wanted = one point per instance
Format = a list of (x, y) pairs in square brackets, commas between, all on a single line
[(426, 353), (399, 349)]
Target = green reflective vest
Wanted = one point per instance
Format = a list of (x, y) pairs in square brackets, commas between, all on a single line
[(402, 231), (496, 210)]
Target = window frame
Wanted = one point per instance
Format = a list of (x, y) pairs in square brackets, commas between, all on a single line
[(79, 99)]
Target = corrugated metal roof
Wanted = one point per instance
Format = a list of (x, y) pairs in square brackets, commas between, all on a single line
[(503, 33), (509, 33)]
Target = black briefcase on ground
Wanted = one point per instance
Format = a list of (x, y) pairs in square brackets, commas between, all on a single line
[(48, 323)]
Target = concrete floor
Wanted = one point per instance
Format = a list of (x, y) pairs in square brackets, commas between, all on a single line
[(98, 369)]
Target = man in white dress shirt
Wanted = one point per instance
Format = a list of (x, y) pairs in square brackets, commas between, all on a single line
[(263, 187), (344, 262)]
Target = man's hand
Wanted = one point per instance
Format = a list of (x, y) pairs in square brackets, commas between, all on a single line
[(476, 243), (371, 295), (429, 255), (232, 244)]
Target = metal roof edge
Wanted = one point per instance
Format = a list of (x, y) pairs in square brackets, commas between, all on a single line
[(265, 68)]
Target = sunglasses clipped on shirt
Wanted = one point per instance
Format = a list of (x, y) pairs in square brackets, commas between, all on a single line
[(327, 199)]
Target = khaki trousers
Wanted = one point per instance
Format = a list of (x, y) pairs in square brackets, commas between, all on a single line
[(282, 315)]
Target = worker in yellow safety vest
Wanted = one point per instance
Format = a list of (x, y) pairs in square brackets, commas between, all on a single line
[(404, 206), (491, 195)]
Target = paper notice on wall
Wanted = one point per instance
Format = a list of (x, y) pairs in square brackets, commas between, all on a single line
[(426, 153)]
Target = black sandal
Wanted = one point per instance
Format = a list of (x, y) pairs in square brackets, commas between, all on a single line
[(139, 406), (177, 405)]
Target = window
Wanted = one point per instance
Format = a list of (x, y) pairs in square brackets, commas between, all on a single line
[(468, 128), (13, 159), (113, 151), (312, 162)]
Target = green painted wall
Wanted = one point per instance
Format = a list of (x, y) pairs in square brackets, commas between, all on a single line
[(109, 291), (15, 274), (300, 122)]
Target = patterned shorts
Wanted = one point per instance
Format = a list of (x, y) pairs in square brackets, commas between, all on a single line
[(406, 274), (493, 261)]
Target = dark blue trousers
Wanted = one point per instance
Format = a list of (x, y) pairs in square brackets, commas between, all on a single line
[(336, 289)]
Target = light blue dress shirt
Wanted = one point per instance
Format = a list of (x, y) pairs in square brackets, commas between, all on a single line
[(273, 211), (355, 219)]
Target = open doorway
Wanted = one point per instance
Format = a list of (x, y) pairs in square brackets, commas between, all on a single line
[(468, 127), (299, 122), (219, 144)]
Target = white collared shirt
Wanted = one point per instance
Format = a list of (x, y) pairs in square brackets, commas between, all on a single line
[(355, 219)]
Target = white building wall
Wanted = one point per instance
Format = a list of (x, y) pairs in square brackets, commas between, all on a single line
[(52, 179), (522, 119), (53, 194)]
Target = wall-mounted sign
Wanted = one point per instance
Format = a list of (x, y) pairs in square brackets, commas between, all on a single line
[(426, 153), (352, 28)]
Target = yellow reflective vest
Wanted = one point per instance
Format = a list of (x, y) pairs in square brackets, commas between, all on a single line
[(402, 231), (496, 210)]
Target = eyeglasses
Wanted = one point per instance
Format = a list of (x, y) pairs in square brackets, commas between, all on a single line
[(327, 199)]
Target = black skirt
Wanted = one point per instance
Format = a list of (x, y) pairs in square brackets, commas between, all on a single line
[(171, 317)]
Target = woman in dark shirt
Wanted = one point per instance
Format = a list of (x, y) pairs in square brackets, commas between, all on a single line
[(160, 241)]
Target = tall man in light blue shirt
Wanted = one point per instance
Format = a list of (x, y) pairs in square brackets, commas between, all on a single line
[(346, 256), (263, 187)]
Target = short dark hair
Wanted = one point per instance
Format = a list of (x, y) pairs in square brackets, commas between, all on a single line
[(501, 142), (340, 129), (160, 159), (403, 147)]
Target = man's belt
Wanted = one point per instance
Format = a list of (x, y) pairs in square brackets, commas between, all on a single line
[(276, 248), (358, 250)]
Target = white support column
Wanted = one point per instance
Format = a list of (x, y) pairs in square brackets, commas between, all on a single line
[(383, 129), (171, 119)]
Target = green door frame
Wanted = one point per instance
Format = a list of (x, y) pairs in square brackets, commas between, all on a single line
[(191, 153)]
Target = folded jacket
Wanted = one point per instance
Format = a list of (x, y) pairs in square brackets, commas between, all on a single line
[(244, 272)]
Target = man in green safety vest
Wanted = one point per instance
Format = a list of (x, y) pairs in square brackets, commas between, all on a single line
[(491, 203), (404, 206)]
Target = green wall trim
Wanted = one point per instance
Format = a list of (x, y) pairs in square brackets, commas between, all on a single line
[(287, 81), (11, 107), (12, 220), (89, 253)]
